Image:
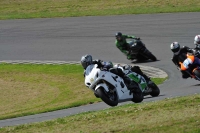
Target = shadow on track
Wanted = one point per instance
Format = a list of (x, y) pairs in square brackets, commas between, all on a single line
[(148, 97), (142, 61), (196, 85)]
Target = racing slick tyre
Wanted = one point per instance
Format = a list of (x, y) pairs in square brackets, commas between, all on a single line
[(197, 73), (152, 57), (109, 98), (138, 96), (155, 90)]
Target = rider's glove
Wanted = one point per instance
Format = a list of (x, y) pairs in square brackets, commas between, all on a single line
[(99, 63)]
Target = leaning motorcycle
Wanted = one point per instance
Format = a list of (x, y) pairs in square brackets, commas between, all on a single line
[(193, 70), (138, 51), (196, 69), (152, 89), (111, 88)]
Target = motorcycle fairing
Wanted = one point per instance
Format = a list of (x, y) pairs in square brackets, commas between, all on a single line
[(95, 78)]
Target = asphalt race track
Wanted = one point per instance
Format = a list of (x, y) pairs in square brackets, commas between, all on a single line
[(67, 39)]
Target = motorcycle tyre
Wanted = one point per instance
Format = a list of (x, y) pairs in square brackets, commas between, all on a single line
[(101, 93), (141, 59), (152, 57), (138, 96), (197, 73), (97, 96), (155, 90)]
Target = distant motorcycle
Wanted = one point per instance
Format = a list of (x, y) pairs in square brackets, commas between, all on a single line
[(111, 88), (138, 50)]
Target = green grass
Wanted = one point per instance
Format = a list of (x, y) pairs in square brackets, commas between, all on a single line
[(30, 89), (16, 9), (174, 115)]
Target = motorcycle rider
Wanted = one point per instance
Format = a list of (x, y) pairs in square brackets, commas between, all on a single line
[(181, 60), (122, 44), (197, 42), (87, 60), (197, 46)]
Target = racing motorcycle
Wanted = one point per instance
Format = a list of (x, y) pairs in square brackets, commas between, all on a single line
[(193, 70), (111, 88), (196, 69), (138, 51), (152, 89)]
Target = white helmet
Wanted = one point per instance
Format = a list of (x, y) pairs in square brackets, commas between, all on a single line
[(175, 47), (197, 41)]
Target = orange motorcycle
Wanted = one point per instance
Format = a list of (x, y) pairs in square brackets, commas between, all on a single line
[(190, 67)]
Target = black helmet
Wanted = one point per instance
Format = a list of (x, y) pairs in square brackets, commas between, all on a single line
[(86, 60), (118, 34)]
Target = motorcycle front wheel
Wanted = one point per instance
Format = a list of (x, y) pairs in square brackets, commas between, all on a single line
[(197, 73), (138, 96), (109, 98), (150, 55)]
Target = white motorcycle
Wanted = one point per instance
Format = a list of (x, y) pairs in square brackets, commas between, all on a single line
[(111, 88)]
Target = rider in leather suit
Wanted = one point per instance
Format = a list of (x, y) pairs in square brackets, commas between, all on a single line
[(180, 56), (86, 60), (122, 44)]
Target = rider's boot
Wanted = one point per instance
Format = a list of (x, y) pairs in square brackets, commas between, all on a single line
[(127, 81), (138, 70)]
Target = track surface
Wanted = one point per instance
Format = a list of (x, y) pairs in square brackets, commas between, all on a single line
[(67, 39)]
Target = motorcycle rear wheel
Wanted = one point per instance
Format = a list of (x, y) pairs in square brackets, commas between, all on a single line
[(112, 101), (155, 90)]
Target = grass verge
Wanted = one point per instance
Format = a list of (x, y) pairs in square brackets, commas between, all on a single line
[(28, 89), (174, 115), (16, 9)]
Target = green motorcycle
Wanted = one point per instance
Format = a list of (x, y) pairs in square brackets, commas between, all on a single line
[(152, 89)]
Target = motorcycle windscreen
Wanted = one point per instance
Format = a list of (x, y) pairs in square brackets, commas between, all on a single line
[(89, 69)]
